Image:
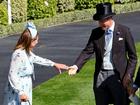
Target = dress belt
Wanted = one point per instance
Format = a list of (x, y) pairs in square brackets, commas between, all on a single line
[(26, 76), (107, 69)]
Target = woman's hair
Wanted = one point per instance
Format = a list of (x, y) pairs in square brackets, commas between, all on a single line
[(24, 41)]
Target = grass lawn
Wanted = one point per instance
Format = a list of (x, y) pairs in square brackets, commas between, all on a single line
[(69, 90)]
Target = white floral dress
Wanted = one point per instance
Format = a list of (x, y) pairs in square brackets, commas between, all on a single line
[(20, 76)]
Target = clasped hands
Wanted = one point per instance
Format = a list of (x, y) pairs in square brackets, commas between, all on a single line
[(71, 69)]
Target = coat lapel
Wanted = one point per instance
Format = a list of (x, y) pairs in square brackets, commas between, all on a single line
[(102, 42), (115, 38)]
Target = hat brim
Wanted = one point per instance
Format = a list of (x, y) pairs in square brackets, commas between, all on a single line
[(100, 17)]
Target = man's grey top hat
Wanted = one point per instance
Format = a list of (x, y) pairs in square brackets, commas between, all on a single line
[(103, 10)]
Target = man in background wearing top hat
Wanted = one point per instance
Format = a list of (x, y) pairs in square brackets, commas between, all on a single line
[(115, 55)]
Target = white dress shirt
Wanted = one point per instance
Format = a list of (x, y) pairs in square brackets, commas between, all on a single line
[(107, 60)]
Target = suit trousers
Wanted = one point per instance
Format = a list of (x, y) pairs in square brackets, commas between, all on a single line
[(110, 90)]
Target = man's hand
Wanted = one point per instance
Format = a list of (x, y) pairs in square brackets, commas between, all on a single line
[(72, 70), (127, 80), (132, 91)]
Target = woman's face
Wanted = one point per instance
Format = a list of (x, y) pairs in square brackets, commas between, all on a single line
[(34, 42)]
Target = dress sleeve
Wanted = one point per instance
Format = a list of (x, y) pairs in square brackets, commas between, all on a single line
[(14, 78), (42, 61)]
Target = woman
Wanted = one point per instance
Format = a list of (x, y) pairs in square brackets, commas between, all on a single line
[(19, 87)]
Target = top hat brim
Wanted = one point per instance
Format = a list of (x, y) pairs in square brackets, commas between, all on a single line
[(101, 17)]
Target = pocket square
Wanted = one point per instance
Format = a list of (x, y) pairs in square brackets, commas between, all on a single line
[(120, 39)]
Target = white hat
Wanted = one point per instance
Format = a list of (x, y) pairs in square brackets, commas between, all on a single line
[(32, 29)]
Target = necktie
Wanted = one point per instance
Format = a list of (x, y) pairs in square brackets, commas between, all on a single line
[(108, 37)]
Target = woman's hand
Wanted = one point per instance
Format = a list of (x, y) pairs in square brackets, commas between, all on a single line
[(23, 98), (60, 66)]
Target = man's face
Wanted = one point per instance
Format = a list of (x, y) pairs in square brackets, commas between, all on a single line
[(105, 23)]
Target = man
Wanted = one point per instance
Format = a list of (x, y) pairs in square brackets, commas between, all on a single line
[(115, 55)]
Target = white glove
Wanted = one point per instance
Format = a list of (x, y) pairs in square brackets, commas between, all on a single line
[(72, 70)]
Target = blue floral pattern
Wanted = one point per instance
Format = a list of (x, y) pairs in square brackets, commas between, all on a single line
[(19, 77)]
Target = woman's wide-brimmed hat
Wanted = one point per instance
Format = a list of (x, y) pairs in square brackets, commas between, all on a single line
[(103, 10)]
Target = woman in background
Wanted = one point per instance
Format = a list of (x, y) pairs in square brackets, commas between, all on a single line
[(19, 88)]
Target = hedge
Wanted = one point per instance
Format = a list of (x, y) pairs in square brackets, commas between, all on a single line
[(65, 18), (3, 12), (38, 10), (3, 15), (65, 5), (19, 10), (86, 4)]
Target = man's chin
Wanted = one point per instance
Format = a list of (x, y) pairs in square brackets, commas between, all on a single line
[(104, 28)]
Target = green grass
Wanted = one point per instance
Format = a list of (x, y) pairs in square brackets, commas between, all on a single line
[(69, 90)]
